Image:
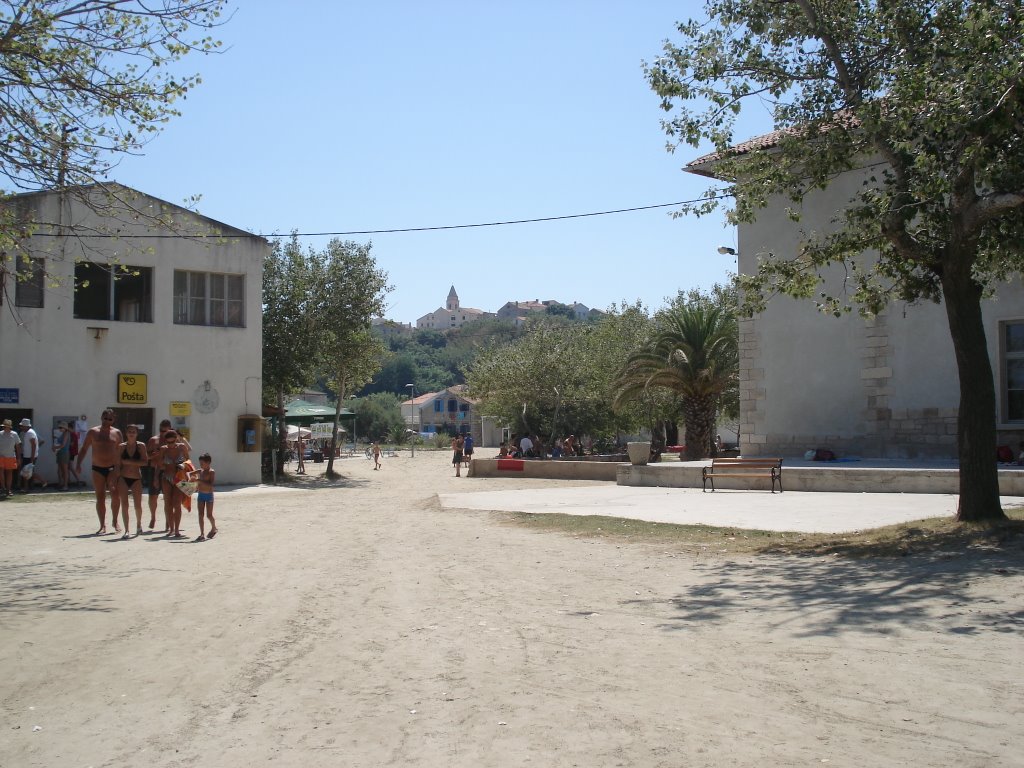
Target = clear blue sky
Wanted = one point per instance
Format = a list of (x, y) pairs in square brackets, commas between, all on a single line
[(325, 116)]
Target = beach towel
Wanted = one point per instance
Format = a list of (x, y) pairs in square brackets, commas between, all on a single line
[(186, 486)]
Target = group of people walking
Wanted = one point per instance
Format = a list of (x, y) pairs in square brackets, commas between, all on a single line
[(19, 458), (123, 466)]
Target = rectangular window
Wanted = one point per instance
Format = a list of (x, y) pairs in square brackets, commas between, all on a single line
[(124, 294), (28, 287), (438, 406), (1012, 338), (209, 298)]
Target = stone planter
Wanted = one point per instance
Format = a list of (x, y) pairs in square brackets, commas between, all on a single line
[(639, 453)]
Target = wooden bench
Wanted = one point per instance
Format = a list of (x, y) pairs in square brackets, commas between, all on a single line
[(756, 467)]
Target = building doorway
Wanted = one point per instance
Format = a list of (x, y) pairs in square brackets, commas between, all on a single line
[(140, 417)]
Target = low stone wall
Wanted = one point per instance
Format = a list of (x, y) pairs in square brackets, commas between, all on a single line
[(824, 478), (593, 468)]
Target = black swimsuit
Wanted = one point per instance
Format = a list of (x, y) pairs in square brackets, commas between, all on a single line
[(130, 481)]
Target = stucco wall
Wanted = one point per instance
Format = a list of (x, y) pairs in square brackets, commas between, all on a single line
[(885, 386), (60, 369)]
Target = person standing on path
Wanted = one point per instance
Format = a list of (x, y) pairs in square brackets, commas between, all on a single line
[(62, 454), (457, 446), (174, 454), (10, 444), (151, 474), (376, 455), (467, 449), (29, 456), (104, 441), (205, 478), (132, 458)]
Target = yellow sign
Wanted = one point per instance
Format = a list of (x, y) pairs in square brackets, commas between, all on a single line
[(131, 388), (181, 408)]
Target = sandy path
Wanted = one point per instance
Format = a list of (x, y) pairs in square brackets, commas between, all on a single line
[(362, 626)]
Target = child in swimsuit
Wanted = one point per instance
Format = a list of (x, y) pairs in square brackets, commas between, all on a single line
[(205, 476)]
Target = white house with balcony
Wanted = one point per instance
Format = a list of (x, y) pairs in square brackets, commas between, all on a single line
[(114, 298)]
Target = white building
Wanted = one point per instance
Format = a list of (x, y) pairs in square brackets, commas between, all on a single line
[(144, 307), (880, 387)]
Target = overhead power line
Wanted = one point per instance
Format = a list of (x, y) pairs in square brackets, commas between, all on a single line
[(396, 230)]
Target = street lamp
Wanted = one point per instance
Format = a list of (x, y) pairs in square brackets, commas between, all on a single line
[(355, 442), (412, 411)]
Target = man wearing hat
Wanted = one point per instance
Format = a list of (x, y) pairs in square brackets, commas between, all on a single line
[(29, 453), (9, 445)]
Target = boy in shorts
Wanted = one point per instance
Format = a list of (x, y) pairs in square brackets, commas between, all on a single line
[(205, 476)]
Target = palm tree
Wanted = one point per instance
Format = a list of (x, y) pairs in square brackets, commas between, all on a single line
[(695, 356)]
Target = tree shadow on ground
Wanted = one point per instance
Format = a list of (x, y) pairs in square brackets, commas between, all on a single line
[(829, 596), (316, 482), (27, 588)]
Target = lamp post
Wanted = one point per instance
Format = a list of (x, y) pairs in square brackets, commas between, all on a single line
[(355, 442), (727, 251), (412, 415)]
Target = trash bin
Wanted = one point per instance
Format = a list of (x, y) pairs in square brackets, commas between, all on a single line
[(318, 457)]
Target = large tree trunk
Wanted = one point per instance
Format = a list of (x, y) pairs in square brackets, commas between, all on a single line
[(697, 425), (976, 427), (334, 430)]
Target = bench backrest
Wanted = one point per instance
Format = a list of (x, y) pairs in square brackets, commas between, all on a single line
[(759, 463)]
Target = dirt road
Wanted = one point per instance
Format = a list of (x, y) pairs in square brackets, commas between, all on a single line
[(362, 626)]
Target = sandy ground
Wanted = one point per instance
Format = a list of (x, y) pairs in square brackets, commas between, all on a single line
[(362, 625)]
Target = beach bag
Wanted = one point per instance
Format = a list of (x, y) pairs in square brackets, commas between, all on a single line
[(188, 487), (183, 484), (28, 470)]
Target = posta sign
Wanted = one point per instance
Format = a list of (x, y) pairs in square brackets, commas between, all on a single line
[(132, 388)]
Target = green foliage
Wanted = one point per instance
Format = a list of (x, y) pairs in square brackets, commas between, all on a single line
[(556, 309), (434, 360), (925, 99), (928, 94), (290, 341), (377, 416), (694, 355), (349, 290), (85, 81), (557, 377), (317, 311)]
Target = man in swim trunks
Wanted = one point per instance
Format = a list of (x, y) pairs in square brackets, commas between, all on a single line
[(151, 474), (104, 441)]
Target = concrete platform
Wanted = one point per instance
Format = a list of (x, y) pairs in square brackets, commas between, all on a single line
[(753, 510), (865, 476)]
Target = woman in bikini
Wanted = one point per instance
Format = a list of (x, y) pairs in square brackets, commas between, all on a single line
[(131, 458), (173, 455)]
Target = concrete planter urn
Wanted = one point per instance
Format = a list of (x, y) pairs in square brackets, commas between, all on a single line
[(639, 453)]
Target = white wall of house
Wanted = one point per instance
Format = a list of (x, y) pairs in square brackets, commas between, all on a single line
[(884, 387), (59, 367)]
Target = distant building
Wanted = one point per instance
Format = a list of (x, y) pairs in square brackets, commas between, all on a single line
[(390, 328), (517, 312), (452, 315)]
